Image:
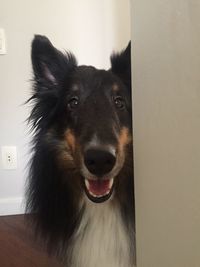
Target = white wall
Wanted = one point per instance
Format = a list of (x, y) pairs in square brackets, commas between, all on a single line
[(166, 93), (91, 29)]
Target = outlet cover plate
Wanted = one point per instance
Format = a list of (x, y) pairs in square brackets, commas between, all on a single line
[(9, 157)]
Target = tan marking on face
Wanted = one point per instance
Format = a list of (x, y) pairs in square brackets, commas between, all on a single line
[(66, 156), (63, 149), (65, 160), (115, 87), (124, 138), (71, 140)]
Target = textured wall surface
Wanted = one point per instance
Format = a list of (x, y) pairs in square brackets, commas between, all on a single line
[(166, 86)]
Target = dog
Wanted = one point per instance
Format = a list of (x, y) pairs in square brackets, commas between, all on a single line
[(81, 189)]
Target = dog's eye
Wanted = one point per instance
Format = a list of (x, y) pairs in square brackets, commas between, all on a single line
[(73, 102), (119, 102)]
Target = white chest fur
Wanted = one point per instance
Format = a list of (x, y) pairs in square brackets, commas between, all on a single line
[(102, 239)]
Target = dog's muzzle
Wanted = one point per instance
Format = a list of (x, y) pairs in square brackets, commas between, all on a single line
[(98, 183)]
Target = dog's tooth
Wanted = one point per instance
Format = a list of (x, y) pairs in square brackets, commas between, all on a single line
[(87, 183), (111, 183)]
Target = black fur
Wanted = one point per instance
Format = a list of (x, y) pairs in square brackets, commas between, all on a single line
[(121, 65), (54, 191)]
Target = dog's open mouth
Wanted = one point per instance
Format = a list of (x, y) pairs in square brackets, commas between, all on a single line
[(98, 190)]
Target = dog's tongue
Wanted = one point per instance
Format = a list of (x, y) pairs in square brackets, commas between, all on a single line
[(99, 187)]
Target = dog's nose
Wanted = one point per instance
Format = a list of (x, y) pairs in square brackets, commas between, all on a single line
[(99, 162)]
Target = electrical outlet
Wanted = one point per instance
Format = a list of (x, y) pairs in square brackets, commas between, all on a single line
[(9, 157)]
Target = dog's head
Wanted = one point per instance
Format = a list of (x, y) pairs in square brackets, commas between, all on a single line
[(85, 113)]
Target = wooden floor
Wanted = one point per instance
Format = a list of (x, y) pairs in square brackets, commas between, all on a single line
[(17, 248)]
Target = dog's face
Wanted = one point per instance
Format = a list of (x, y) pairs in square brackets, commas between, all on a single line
[(86, 113), (98, 132)]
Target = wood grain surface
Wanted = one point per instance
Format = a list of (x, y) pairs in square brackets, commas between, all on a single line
[(18, 247)]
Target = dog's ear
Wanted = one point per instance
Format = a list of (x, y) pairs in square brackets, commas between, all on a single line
[(50, 66), (51, 70), (121, 65)]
